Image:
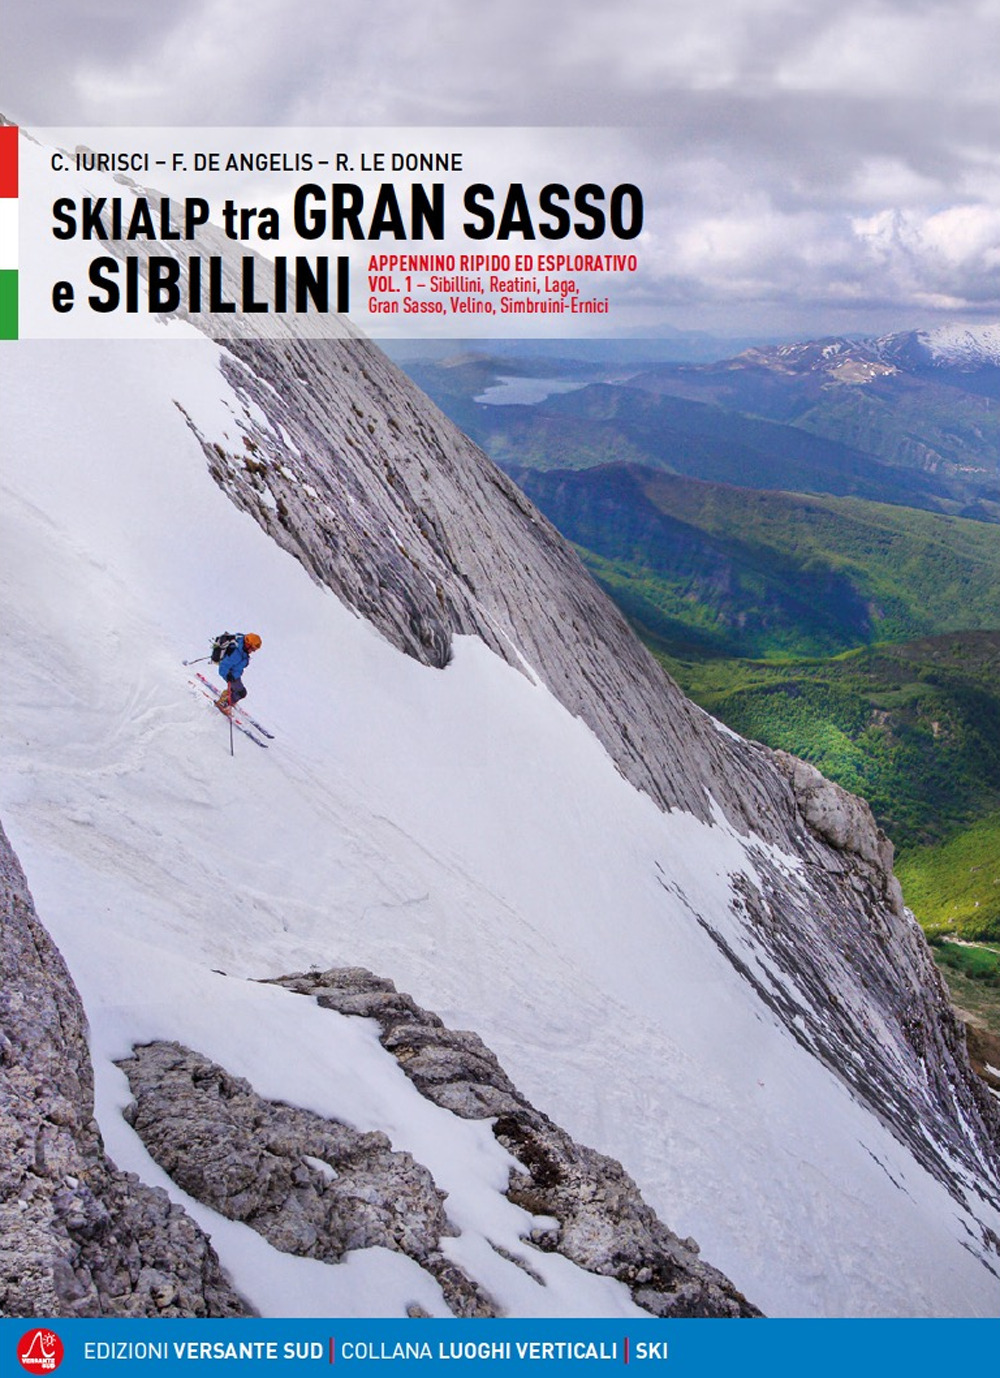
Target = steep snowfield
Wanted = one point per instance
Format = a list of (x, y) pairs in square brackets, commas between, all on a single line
[(456, 830)]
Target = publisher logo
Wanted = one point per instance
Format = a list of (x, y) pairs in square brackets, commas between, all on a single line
[(40, 1351)]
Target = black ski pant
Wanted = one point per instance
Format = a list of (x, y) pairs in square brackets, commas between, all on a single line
[(237, 690)]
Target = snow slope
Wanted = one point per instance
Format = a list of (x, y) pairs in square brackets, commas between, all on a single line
[(455, 830)]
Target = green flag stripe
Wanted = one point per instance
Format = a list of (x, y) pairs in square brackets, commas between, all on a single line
[(8, 304)]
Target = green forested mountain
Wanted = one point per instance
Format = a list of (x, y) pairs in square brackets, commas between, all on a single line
[(738, 572), (913, 728)]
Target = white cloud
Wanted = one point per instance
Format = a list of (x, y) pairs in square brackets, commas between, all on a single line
[(771, 129), (881, 179), (894, 49)]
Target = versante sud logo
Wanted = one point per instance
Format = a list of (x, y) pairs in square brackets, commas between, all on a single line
[(40, 1351)]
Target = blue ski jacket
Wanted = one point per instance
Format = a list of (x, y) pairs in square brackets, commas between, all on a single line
[(235, 661)]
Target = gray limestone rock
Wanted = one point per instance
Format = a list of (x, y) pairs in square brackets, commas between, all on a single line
[(77, 1237), (603, 1223), (839, 818), (358, 475), (310, 1186)]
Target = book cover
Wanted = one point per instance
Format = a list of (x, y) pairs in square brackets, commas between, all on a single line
[(499, 591)]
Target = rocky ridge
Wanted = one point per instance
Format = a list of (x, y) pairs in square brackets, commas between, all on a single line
[(310, 1186), (80, 1238), (347, 465), (318, 1188), (603, 1223)]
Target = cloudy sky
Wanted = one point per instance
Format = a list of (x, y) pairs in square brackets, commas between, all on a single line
[(814, 166)]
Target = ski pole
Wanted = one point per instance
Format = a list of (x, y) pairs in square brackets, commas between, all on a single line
[(196, 662), (230, 689)]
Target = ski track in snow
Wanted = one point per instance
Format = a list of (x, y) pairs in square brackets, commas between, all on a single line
[(456, 831)]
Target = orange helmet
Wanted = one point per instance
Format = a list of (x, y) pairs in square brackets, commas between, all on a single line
[(251, 641)]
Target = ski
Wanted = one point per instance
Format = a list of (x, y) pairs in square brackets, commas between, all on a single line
[(242, 727), (259, 727), (228, 713)]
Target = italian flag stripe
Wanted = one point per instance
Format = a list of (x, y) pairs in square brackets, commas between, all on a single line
[(8, 232), (8, 160), (8, 303)]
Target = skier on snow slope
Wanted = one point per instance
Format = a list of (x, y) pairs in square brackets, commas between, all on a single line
[(235, 658)]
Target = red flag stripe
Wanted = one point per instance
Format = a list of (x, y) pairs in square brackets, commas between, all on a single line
[(8, 160)]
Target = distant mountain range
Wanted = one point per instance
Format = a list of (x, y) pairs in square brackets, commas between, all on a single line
[(913, 400), (911, 419), (959, 348)]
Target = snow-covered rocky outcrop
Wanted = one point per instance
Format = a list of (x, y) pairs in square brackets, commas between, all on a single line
[(688, 951), (81, 1238), (318, 1188)]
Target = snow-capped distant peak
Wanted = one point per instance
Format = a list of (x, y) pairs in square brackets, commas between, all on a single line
[(962, 345), (947, 346)]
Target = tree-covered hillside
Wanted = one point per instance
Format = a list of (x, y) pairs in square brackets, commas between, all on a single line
[(737, 572)]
